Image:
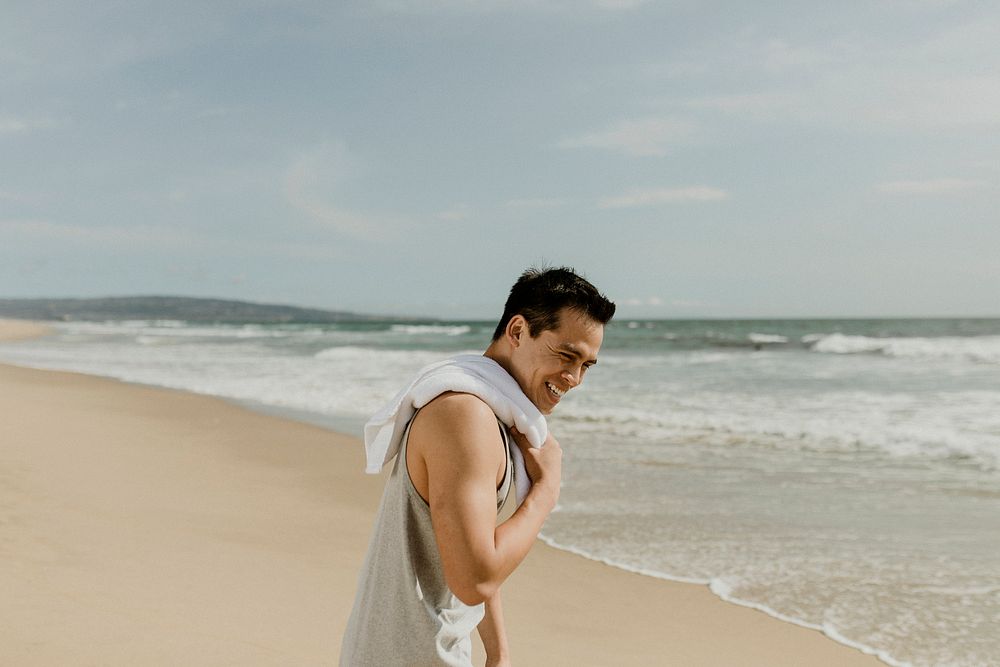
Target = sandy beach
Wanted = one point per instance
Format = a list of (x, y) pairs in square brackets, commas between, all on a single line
[(143, 526)]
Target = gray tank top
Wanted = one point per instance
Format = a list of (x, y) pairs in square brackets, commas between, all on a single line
[(404, 613)]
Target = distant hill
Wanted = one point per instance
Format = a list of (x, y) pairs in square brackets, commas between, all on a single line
[(169, 308)]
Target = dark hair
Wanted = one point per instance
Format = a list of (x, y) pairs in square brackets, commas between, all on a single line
[(539, 295)]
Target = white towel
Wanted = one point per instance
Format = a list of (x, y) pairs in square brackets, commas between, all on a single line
[(470, 374)]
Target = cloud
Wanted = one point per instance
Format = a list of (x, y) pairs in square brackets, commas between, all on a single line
[(309, 183), (659, 301), (861, 80), (11, 125), (939, 101), (688, 303), (454, 213), (535, 202), (636, 301), (642, 137), (869, 99), (618, 5), (570, 7), (20, 125), (779, 54), (761, 105), (104, 234), (937, 186), (637, 197), (127, 238), (61, 40)]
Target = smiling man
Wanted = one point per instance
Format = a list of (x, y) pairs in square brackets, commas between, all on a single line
[(449, 531)]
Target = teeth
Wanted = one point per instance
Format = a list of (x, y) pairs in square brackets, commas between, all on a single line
[(554, 390)]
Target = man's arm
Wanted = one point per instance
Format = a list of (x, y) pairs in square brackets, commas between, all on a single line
[(494, 634), (456, 439)]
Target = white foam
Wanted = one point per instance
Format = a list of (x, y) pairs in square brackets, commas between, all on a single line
[(722, 588), (759, 338), (420, 329), (983, 349), (960, 427), (177, 329)]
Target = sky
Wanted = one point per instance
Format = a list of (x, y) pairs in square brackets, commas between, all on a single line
[(692, 158)]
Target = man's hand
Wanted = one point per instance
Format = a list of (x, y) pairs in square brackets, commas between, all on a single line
[(544, 465)]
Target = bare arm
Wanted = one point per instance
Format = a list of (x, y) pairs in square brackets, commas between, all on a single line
[(494, 634), (456, 439)]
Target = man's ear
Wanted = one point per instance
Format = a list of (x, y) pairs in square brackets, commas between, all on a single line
[(517, 327)]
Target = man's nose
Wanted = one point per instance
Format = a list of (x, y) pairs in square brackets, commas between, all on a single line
[(573, 377)]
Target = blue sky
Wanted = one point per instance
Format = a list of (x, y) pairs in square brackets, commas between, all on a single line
[(692, 158)]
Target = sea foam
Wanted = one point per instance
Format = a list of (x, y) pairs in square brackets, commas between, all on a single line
[(984, 349)]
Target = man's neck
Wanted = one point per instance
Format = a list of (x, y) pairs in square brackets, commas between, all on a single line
[(496, 352)]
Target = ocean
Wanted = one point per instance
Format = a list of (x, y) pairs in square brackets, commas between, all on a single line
[(839, 474)]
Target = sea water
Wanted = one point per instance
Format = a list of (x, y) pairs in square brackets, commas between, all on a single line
[(840, 474)]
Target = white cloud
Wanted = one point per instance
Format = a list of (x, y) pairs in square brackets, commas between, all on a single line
[(937, 186), (939, 101), (536, 202), (20, 125), (868, 98), (103, 234), (860, 80), (688, 303), (642, 137), (759, 105), (11, 125), (456, 212), (636, 301), (308, 184), (487, 6), (654, 196), (656, 301), (127, 238), (778, 54), (618, 5)]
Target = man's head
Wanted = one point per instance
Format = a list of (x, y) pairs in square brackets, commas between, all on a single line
[(540, 295), (550, 333)]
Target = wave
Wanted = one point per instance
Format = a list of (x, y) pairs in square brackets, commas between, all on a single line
[(983, 349), (842, 424), (146, 330), (721, 589), (433, 329), (760, 338), (385, 358)]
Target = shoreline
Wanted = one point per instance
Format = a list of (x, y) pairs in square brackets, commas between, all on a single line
[(206, 493)]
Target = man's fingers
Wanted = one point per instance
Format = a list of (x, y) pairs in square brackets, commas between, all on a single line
[(519, 439)]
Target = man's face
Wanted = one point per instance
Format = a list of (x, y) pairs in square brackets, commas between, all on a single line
[(555, 361)]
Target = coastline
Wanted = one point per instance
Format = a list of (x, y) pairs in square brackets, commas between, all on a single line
[(153, 526)]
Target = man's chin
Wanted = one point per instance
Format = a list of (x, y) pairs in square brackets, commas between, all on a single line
[(545, 407)]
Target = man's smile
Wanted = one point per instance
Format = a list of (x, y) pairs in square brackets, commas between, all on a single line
[(558, 393)]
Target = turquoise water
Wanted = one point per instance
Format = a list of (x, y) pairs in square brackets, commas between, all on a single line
[(843, 474)]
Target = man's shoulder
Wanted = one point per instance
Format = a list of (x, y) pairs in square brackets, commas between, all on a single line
[(457, 409), (456, 423)]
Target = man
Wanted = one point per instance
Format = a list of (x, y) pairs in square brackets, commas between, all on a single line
[(441, 549)]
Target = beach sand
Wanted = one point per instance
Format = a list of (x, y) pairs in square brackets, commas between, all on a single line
[(143, 526)]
